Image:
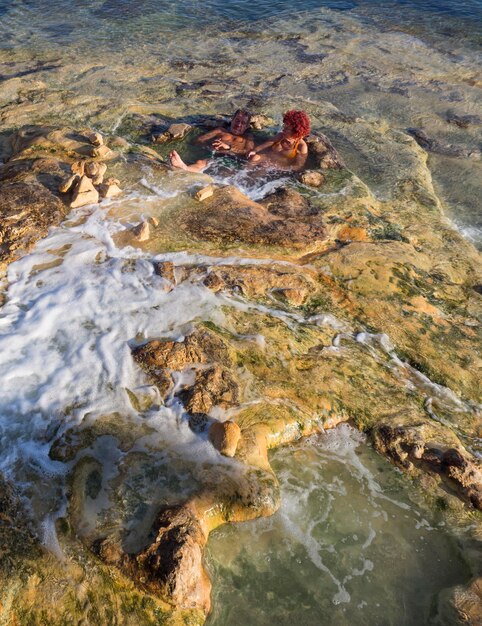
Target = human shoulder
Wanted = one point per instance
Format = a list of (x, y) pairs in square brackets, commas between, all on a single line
[(303, 147)]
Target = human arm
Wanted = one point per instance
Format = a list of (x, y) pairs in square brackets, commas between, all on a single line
[(235, 147), (263, 146), (212, 134), (249, 145)]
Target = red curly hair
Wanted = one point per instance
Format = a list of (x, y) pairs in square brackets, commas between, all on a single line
[(299, 121)]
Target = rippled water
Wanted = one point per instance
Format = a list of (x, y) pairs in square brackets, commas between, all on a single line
[(348, 546), (405, 64)]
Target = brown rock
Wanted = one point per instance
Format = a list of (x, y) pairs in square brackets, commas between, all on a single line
[(312, 178), (229, 216), (96, 172), (205, 192), (214, 386), (153, 221), (286, 202), (165, 269), (110, 188), (293, 296), (160, 138), (142, 231), (352, 233), (225, 437), (324, 152), (70, 183), (27, 211), (84, 193), (174, 132), (256, 281), (202, 346), (214, 282), (453, 458), (95, 139), (102, 152), (178, 131), (172, 566), (78, 167)]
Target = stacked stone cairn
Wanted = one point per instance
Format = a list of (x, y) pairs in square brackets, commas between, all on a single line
[(87, 183)]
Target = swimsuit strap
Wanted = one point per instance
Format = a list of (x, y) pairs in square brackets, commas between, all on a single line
[(294, 152), (295, 149)]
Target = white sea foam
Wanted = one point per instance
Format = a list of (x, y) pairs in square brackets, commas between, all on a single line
[(65, 334)]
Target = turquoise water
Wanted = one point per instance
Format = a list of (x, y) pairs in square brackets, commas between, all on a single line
[(63, 22)]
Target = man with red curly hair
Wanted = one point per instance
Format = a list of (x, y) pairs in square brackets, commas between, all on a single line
[(287, 150)]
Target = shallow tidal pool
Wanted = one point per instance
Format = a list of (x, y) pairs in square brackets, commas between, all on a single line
[(347, 546)]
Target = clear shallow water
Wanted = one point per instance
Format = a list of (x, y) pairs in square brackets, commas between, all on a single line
[(226, 12), (348, 546), (401, 64)]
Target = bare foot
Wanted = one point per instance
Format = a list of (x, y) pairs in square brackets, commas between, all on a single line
[(176, 161)]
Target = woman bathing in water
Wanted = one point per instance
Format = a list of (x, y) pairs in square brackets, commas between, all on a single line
[(287, 150), (236, 142)]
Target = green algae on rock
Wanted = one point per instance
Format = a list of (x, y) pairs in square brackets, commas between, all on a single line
[(336, 305)]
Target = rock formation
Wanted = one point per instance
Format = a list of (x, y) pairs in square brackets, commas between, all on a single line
[(336, 306)]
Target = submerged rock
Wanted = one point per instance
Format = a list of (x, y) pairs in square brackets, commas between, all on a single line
[(430, 444), (440, 147), (463, 121), (311, 178), (174, 132), (260, 121)]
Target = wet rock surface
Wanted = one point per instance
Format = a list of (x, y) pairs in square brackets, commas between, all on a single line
[(228, 216), (343, 268), (43, 165), (27, 210)]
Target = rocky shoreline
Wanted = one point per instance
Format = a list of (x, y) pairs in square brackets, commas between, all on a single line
[(388, 283)]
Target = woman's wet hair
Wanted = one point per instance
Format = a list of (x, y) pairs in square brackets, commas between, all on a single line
[(299, 122)]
